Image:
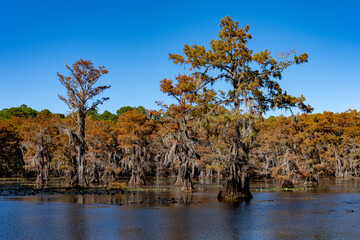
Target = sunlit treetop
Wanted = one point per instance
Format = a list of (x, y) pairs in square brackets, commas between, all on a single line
[(182, 89), (253, 76), (134, 128), (80, 85), (192, 98)]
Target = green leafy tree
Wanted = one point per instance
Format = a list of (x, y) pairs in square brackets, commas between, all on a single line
[(22, 111), (94, 114), (140, 109), (108, 116), (123, 110)]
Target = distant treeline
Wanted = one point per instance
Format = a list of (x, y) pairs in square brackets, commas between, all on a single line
[(27, 112), (41, 144)]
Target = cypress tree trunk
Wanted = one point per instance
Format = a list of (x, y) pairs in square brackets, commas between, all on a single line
[(137, 176), (137, 171), (179, 176), (184, 177), (81, 151), (187, 185), (40, 176), (237, 182), (46, 170)]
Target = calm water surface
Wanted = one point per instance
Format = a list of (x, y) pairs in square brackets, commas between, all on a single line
[(330, 211)]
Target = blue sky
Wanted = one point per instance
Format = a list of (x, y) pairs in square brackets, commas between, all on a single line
[(133, 39)]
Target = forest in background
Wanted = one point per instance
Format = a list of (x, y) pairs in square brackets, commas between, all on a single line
[(297, 148)]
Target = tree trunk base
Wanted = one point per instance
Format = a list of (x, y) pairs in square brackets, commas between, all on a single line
[(188, 187), (137, 180), (178, 183), (231, 196), (188, 190), (40, 181), (75, 183), (311, 181), (288, 184)]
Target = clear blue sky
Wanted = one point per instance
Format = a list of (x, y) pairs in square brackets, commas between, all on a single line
[(133, 39)]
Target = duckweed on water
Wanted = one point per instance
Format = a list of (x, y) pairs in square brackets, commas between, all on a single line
[(151, 189), (281, 189), (139, 189), (13, 179), (117, 186)]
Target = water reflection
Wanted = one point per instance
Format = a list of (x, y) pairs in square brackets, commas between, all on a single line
[(329, 211)]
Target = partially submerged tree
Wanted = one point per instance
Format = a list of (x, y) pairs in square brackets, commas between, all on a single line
[(254, 89), (81, 91), (135, 139), (103, 154), (181, 120), (40, 146)]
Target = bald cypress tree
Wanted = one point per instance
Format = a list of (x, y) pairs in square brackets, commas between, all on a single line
[(81, 92), (253, 89)]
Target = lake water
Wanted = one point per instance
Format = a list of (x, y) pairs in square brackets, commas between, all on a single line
[(330, 211)]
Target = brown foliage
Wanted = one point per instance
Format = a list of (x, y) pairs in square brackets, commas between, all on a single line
[(80, 89), (11, 158)]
